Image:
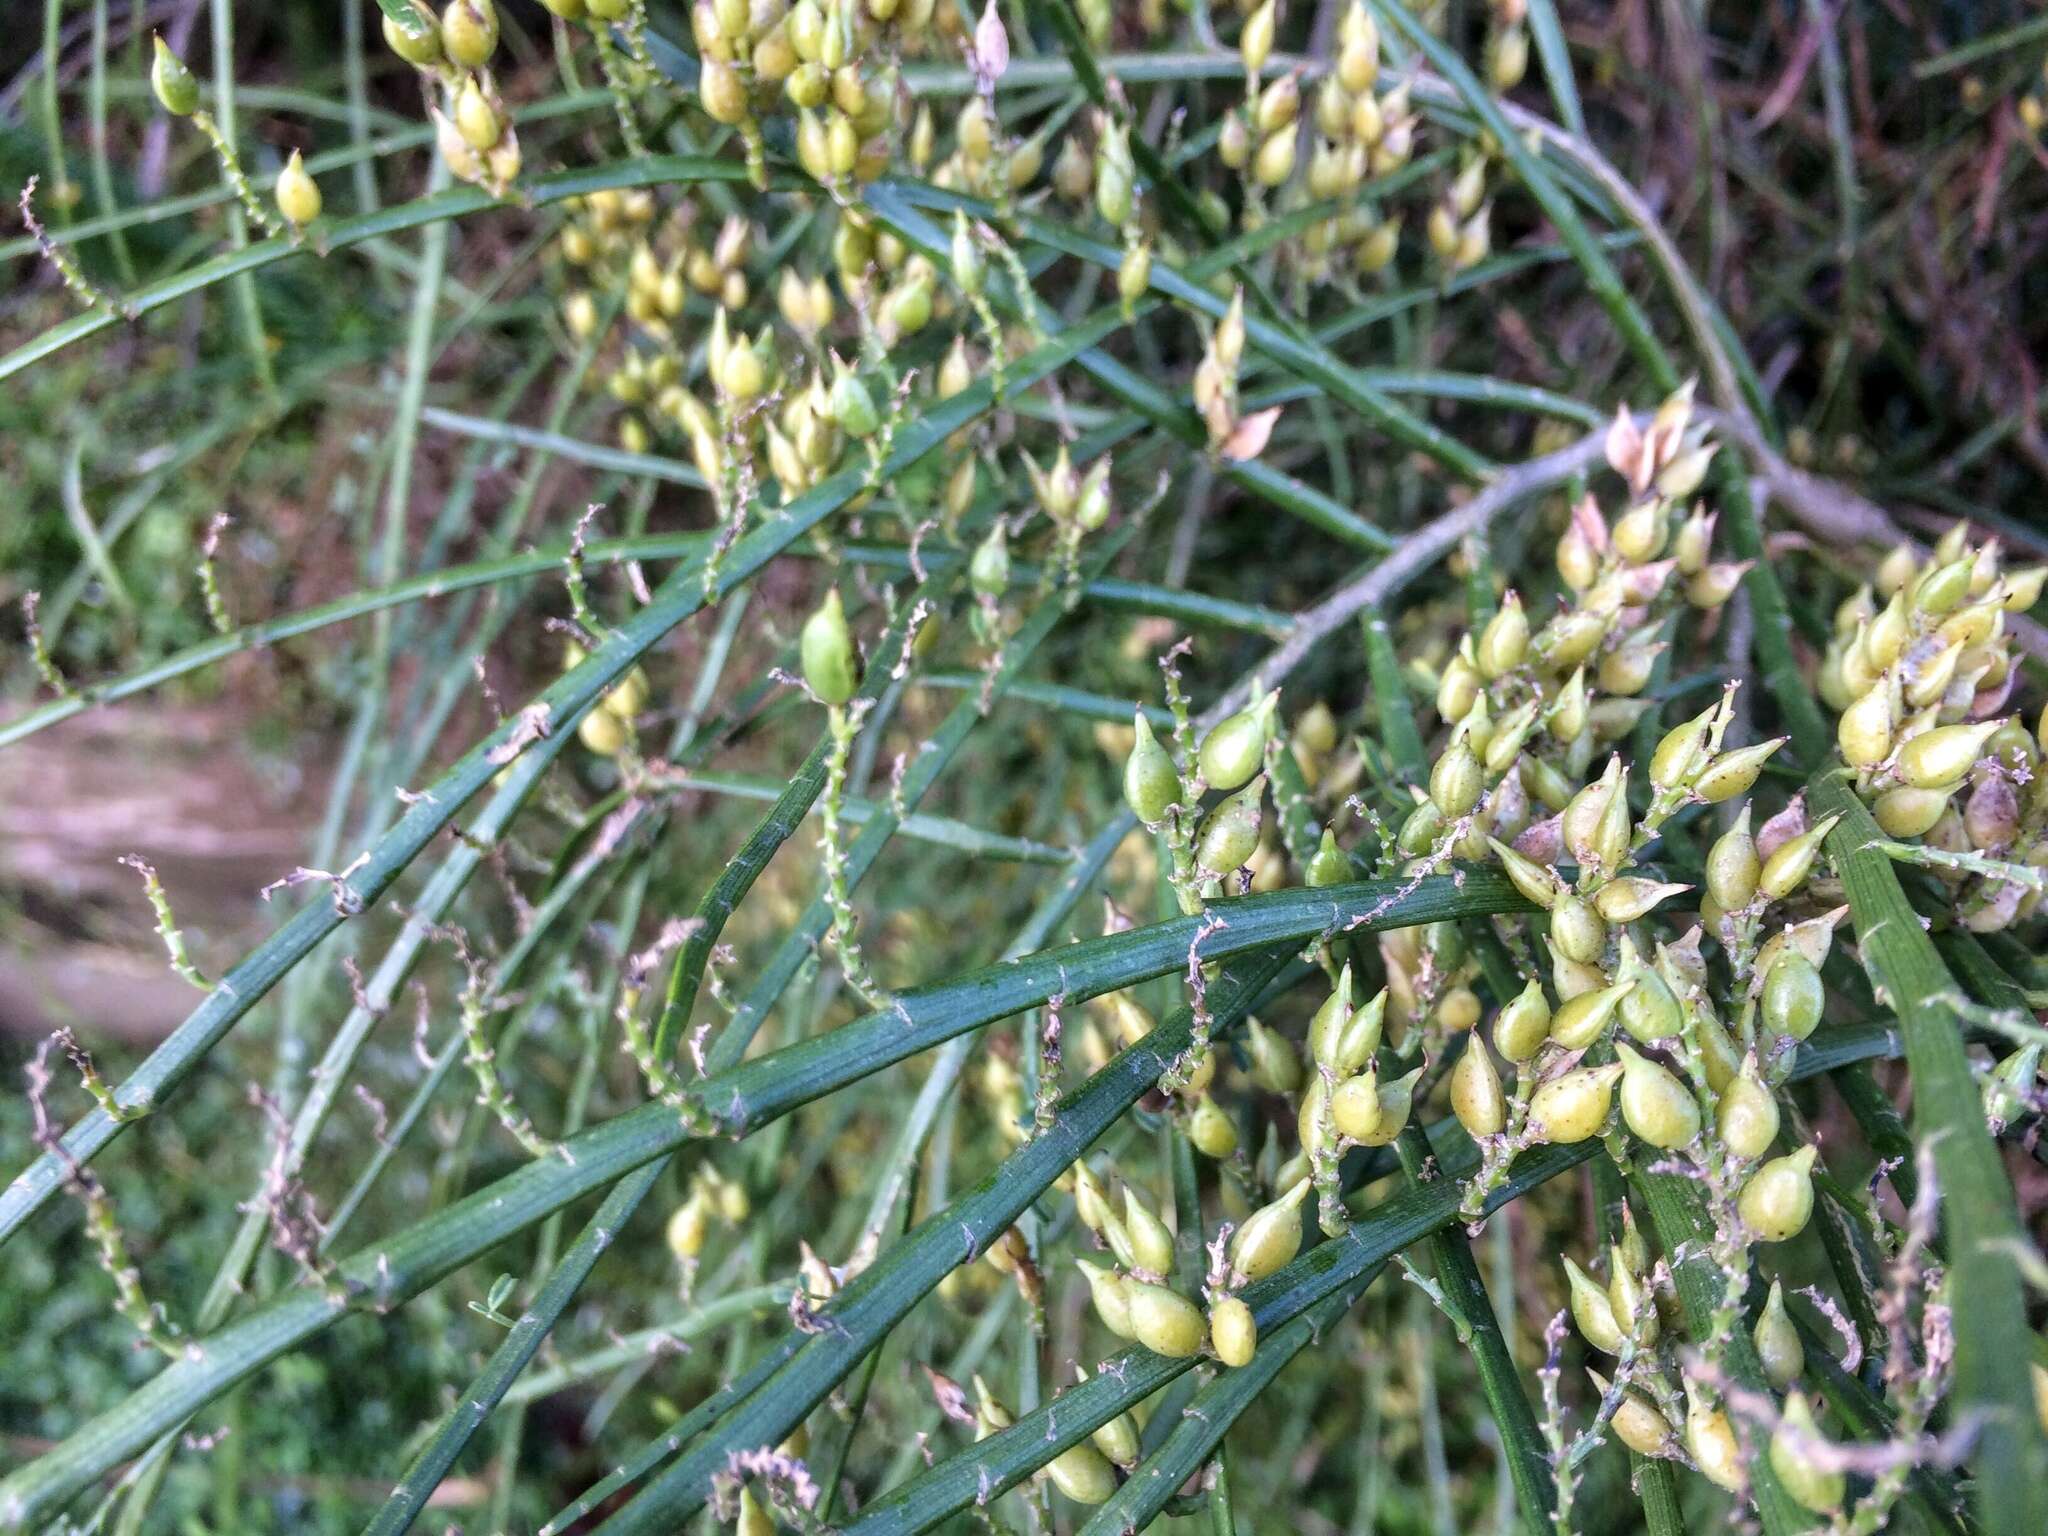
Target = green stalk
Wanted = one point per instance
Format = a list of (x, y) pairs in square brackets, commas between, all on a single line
[(1985, 1293), (248, 309)]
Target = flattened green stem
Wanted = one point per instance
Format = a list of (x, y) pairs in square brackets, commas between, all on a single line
[(1982, 1226)]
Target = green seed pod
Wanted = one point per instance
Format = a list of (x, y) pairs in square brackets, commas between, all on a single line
[(1523, 1025), (1906, 812), (1778, 1199), (1355, 1106), (1812, 1484), (990, 1412), (1864, 732), (1649, 1010), (177, 89), (1733, 866), (1505, 640), (1638, 1421), (1746, 1115), (1573, 1107), (1777, 1341), (1115, 175), (1312, 1120), (1710, 1440), (753, 1520), (1091, 1202), (1150, 783), (1348, 1049), (1577, 931), (477, 121), (1718, 1054), (1330, 1019), (850, 405), (1593, 1312), (1944, 587), (1629, 898), (1510, 735), (1329, 865), (1233, 1332), (469, 32), (830, 665), (1164, 1321), (1111, 1294), (1944, 754), (1794, 995), (1476, 1097), (1275, 1066), (1396, 1103), (1210, 1130), (1134, 272), (1581, 1020), (1790, 863), (1270, 1236), (1655, 1104), (1235, 748), (1151, 1242), (1585, 816), (970, 267), (1567, 720), (1545, 784), (1458, 689), (298, 195), (1533, 880), (1456, 780), (988, 572), (1082, 1473), (1635, 1309), (1230, 835), (1735, 773)]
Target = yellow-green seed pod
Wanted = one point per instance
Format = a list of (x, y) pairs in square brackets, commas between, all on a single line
[(1577, 930), (753, 1519), (1943, 587), (1150, 783), (1151, 1242), (477, 121), (1230, 835), (1396, 1103), (469, 32), (831, 668), (1233, 1332), (1111, 1295), (1629, 898), (1533, 880), (1735, 773), (1795, 1444), (1115, 175), (1944, 754), (1235, 748), (1118, 1438), (1348, 1048), (1638, 1422), (1355, 1107), (627, 698), (1794, 995), (1649, 1010), (1710, 1440), (1134, 272), (1791, 861), (1746, 1115), (1523, 1025), (1733, 866), (1778, 1199), (1082, 1473), (1864, 733), (1329, 1019), (1476, 1097), (1654, 1103), (1904, 812), (1091, 1201), (1505, 640), (851, 407), (1593, 1312), (688, 1227), (1777, 1341), (1270, 1236), (1581, 1020), (1456, 780), (1682, 750), (1329, 865), (723, 95), (991, 1413), (1275, 1066), (1164, 1321), (177, 89), (603, 733), (1635, 1308), (1586, 815), (1255, 42), (1573, 1107), (1457, 690), (298, 195), (1210, 1130)]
